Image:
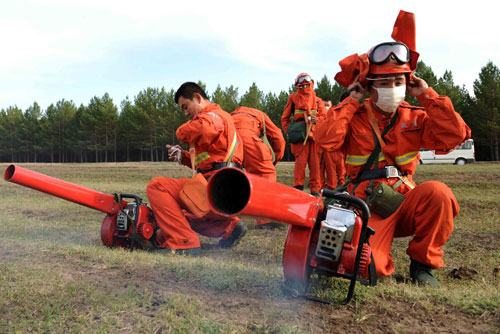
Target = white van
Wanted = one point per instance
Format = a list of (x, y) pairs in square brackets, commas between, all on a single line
[(461, 155)]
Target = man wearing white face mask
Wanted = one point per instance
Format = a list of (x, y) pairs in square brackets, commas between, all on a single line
[(382, 138)]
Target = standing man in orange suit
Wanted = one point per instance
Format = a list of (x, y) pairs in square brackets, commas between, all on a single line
[(212, 133), (304, 107), (254, 128), (331, 163)]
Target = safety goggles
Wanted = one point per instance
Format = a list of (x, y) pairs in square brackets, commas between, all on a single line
[(382, 52), (303, 79)]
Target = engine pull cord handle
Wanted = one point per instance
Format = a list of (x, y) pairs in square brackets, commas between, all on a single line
[(363, 207)]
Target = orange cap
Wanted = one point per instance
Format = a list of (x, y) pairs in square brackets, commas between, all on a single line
[(303, 79), (389, 67)]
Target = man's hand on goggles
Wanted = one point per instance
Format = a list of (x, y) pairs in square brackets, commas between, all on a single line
[(356, 90), (416, 86)]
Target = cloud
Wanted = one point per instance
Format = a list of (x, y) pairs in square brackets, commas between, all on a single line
[(80, 43)]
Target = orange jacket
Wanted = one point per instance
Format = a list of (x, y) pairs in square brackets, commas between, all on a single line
[(249, 123), (435, 126), (212, 132), (298, 109)]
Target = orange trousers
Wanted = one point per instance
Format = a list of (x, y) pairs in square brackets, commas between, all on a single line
[(268, 176), (332, 163), (306, 155), (427, 214), (257, 158), (179, 227)]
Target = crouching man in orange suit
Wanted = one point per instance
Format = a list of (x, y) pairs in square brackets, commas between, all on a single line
[(212, 133), (259, 157), (382, 138)]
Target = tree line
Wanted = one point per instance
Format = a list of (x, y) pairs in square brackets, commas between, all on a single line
[(138, 129)]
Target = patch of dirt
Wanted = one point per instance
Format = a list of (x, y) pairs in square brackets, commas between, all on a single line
[(388, 316)]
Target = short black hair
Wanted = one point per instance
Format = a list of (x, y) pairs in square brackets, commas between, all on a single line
[(187, 91), (326, 99)]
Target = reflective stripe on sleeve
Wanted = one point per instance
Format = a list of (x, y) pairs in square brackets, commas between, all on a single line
[(356, 160), (298, 111), (406, 158), (201, 157)]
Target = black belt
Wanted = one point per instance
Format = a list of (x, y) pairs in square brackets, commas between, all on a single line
[(219, 165), (378, 173)]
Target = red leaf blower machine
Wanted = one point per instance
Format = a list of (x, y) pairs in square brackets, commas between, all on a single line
[(126, 225), (329, 240)]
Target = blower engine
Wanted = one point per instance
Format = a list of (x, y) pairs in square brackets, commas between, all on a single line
[(126, 225), (329, 241)]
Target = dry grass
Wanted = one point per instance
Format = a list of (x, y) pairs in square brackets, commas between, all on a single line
[(56, 277)]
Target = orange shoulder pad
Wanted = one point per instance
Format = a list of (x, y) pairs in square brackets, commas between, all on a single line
[(214, 119)]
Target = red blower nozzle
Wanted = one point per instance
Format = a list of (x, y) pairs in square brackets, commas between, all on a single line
[(233, 192)]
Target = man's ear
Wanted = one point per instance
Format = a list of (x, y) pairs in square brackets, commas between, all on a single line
[(197, 98)]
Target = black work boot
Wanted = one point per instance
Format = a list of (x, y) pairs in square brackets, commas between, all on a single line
[(270, 226), (421, 274), (299, 187), (235, 237), (316, 193)]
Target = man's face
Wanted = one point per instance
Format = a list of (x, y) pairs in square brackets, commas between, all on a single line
[(190, 107), (389, 80), (386, 81), (328, 104), (303, 86)]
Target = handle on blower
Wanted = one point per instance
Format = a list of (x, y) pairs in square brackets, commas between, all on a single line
[(363, 207)]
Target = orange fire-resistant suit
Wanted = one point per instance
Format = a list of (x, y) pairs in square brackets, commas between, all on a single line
[(258, 157), (300, 106), (212, 132), (428, 211), (331, 164)]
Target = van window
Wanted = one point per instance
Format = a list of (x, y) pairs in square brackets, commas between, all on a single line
[(467, 145)]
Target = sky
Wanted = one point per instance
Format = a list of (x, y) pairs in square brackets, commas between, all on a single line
[(78, 49)]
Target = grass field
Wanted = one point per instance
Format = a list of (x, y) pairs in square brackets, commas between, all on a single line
[(57, 277)]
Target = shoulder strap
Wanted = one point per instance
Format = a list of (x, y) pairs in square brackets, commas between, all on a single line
[(376, 131), (230, 151), (264, 125), (379, 142), (192, 153)]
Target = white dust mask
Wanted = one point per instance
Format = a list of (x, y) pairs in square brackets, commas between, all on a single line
[(389, 99)]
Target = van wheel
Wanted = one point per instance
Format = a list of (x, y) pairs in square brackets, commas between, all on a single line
[(460, 162)]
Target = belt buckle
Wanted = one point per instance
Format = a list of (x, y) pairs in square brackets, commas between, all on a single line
[(391, 171)]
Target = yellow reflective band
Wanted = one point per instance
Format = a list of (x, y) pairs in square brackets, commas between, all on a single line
[(298, 111), (356, 160), (381, 157), (406, 158), (201, 157)]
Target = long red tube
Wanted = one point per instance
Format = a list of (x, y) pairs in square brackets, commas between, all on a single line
[(62, 189), (234, 192)]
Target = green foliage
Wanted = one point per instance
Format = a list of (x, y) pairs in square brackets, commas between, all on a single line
[(325, 90), (487, 107), (227, 99), (253, 98), (140, 127)]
